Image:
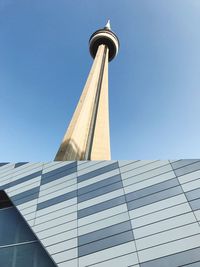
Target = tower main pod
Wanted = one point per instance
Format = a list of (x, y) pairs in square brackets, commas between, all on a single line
[(88, 134)]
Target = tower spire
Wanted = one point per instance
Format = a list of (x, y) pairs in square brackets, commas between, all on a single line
[(88, 134), (107, 26)]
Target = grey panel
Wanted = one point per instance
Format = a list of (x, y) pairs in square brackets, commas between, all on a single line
[(152, 189), (105, 243), (175, 260), (22, 180), (97, 185), (182, 163), (20, 164), (101, 206), (105, 232), (187, 169), (31, 255), (154, 197), (99, 171), (57, 199), (100, 191), (195, 204), (59, 173), (193, 194)]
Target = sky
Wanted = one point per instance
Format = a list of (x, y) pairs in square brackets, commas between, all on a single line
[(154, 83)]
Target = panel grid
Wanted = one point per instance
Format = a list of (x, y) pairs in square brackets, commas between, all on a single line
[(110, 213)]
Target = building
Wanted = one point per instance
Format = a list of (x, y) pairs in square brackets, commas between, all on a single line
[(100, 213), (88, 134)]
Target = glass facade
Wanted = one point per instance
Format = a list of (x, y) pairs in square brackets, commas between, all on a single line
[(18, 245)]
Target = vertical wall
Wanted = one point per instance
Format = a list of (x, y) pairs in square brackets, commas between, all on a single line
[(111, 213)]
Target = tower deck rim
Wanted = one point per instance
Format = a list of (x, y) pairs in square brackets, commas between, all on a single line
[(106, 31)]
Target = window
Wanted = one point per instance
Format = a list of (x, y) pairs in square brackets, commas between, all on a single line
[(19, 246)]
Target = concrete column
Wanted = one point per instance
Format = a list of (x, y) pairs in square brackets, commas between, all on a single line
[(87, 137)]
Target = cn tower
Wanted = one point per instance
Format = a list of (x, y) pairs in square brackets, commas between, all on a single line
[(88, 134)]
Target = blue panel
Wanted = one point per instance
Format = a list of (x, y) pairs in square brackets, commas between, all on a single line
[(195, 204), (179, 259), (26, 196), (182, 163), (100, 191), (20, 164), (97, 172), (59, 173), (57, 199), (187, 169), (97, 185), (154, 197), (22, 180), (193, 194), (105, 232), (152, 189), (101, 206), (105, 243)]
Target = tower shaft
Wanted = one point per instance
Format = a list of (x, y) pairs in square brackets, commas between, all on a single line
[(88, 135)]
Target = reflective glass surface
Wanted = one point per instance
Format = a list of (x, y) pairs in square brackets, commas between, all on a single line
[(31, 255), (19, 247), (12, 228)]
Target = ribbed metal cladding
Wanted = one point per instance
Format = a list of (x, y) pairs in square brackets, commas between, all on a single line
[(110, 213)]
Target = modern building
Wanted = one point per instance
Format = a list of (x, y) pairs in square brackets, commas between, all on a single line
[(88, 134), (100, 213)]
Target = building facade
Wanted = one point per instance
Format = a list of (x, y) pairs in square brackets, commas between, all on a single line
[(100, 213)]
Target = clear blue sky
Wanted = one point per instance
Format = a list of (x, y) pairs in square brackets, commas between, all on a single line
[(154, 83)]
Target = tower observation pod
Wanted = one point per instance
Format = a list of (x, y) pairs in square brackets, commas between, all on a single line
[(88, 134)]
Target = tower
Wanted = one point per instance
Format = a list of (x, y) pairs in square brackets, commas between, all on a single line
[(88, 134)]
